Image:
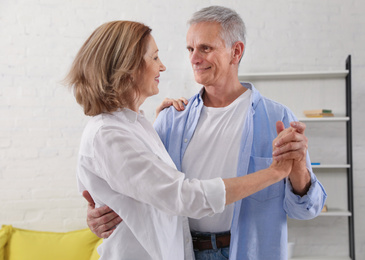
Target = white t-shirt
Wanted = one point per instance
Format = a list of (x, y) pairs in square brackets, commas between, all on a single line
[(213, 152), (123, 164)]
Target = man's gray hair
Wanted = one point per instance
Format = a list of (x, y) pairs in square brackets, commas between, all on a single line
[(233, 27)]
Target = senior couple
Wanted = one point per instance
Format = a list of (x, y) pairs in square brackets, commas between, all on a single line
[(215, 177)]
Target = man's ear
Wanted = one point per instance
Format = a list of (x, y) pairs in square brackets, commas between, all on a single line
[(237, 52)]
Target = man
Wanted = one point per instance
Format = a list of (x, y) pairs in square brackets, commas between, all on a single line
[(229, 127)]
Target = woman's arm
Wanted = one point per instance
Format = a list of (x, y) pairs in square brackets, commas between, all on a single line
[(183, 193)]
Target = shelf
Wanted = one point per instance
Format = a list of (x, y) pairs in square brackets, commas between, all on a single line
[(321, 258), (324, 119), (294, 75), (336, 213), (331, 166), (281, 83)]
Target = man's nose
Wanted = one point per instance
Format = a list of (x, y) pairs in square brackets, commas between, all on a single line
[(195, 57)]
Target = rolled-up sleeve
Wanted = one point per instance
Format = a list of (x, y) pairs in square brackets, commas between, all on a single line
[(308, 206)]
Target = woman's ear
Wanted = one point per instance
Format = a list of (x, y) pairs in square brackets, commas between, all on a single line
[(237, 52)]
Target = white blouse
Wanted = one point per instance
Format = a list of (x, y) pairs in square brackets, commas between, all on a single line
[(123, 164)]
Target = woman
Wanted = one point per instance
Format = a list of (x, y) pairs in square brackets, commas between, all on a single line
[(123, 163)]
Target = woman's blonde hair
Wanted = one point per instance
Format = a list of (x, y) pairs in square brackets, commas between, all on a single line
[(101, 75)]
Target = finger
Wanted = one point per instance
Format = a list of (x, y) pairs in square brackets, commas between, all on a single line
[(108, 225), (279, 127), (181, 104), (99, 217), (289, 135), (291, 142), (167, 102), (184, 100), (107, 234), (178, 105), (299, 126), (296, 155), (88, 197), (288, 156), (98, 212), (283, 136), (115, 220)]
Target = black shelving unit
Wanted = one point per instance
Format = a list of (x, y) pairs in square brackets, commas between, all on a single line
[(343, 74), (350, 196)]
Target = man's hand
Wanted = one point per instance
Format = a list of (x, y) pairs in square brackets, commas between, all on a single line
[(101, 221), (282, 165), (293, 144), (177, 103)]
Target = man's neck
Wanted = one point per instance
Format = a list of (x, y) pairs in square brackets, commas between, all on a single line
[(222, 96)]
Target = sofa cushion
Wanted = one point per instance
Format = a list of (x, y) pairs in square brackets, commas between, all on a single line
[(95, 255), (4, 236), (28, 244)]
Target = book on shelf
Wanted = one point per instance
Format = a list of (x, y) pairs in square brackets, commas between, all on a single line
[(318, 113)]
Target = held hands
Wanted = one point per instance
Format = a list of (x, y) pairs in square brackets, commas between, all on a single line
[(177, 103), (281, 165), (101, 221), (292, 144)]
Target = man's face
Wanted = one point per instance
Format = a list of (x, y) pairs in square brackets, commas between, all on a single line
[(209, 57)]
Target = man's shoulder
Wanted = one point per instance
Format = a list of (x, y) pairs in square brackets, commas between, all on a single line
[(193, 102), (273, 111), (170, 118), (268, 102)]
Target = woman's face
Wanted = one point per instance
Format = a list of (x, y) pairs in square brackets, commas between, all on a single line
[(149, 77)]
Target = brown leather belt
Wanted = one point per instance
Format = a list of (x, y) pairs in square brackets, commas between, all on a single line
[(204, 242)]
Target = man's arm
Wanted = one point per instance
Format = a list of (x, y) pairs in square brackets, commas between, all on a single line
[(101, 221)]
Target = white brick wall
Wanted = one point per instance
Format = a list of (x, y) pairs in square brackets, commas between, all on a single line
[(41, 123)]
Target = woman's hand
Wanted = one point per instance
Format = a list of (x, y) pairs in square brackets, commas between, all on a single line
[(179, 104)]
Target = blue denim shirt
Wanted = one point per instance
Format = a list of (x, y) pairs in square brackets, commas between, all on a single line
[(259, 225)]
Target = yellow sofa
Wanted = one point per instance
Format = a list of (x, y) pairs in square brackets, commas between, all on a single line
[(22, 244)]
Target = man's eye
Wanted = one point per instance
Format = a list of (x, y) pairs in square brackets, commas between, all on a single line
[(190, 49)]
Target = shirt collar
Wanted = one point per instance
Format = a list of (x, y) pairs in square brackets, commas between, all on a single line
[(247, 85), (200, 96), (255, 94), (130, 115)]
